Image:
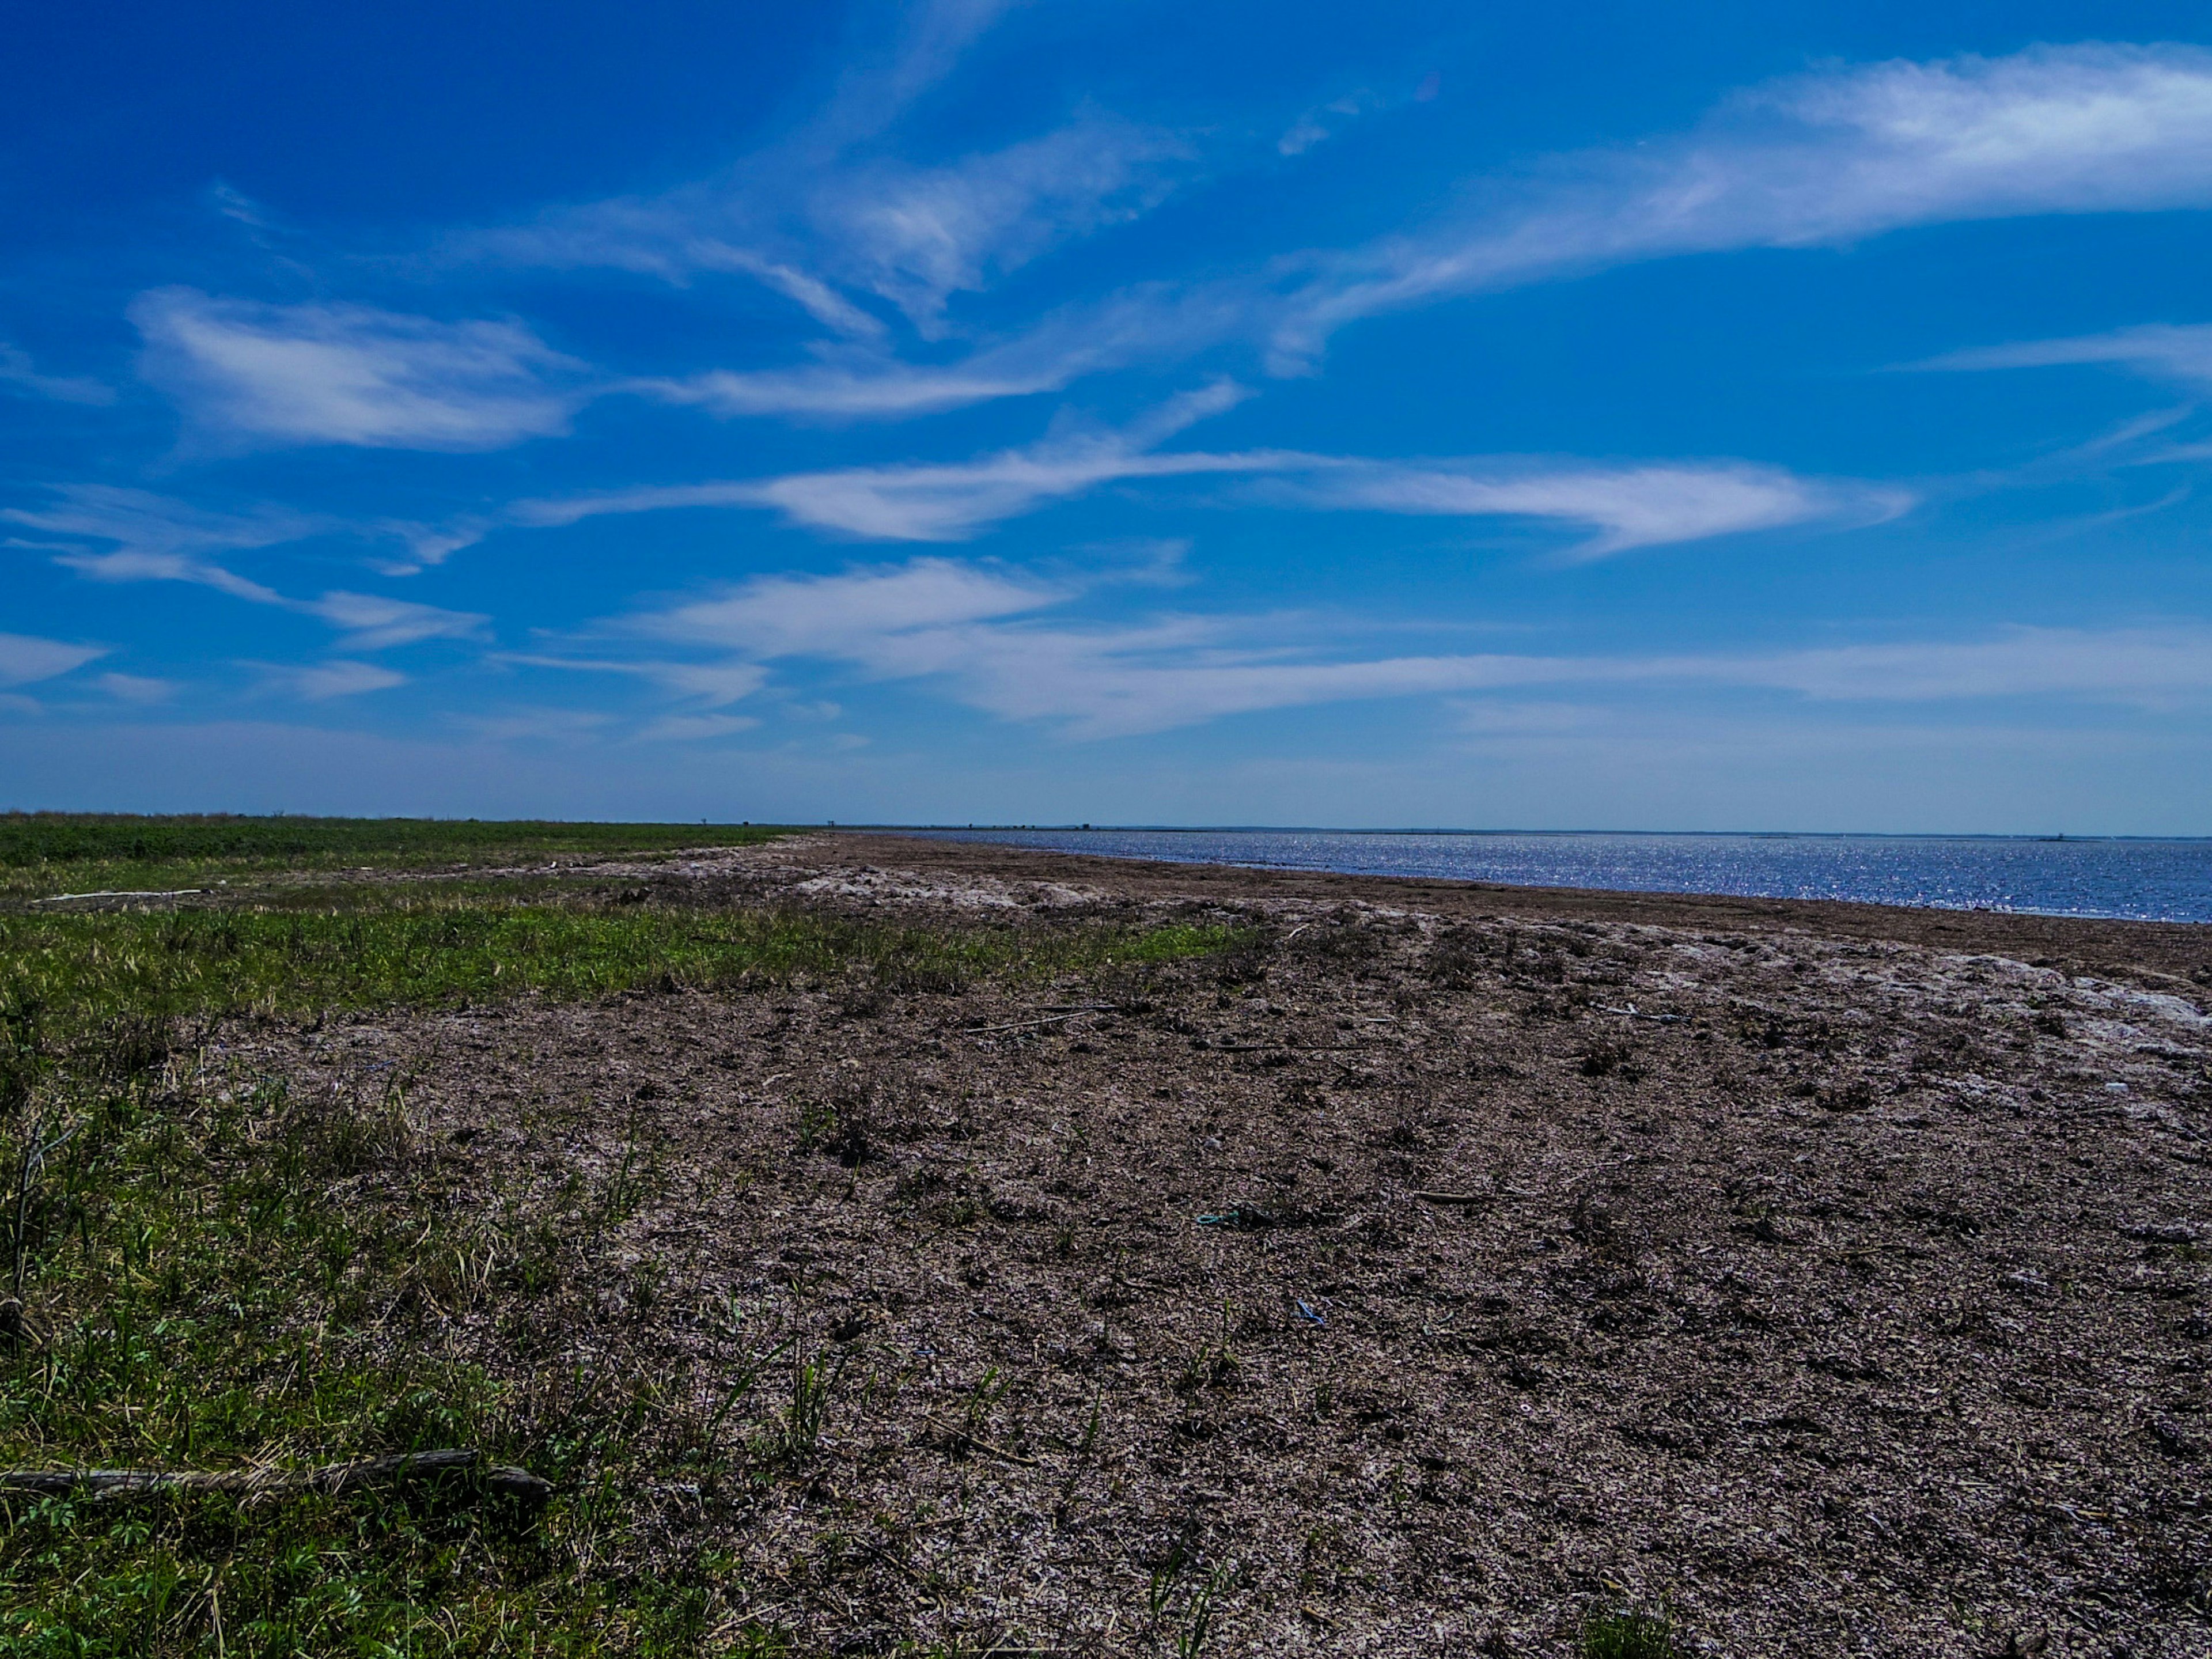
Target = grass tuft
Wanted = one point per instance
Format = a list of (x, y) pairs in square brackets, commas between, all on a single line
[(1627, 1633)]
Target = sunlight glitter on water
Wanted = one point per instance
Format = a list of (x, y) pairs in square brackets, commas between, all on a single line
[(2141, 880)]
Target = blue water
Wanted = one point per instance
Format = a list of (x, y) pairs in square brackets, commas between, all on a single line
[(2146, 880)]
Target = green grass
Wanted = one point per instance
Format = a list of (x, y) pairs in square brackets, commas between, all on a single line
[(42, 854), (218, 1274), (203, 1296), (34, 838), (1626, 1633), (373, 947)]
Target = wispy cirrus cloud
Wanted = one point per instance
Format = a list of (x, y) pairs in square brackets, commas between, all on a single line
[(139, 535), (18, 374), (2151, 667), (695, 728), (1813, 161), (321, 682), (915, 236), (857, 386), (1623, 506), (822, 229), (154, 538), (939, 502), (24, 658), (786, 616), (858, 237), (975, 629), (1644, 504), (139, 688), (251, 374), (820, 217), (2179, 352), (987, 635), (372, 622), (705, 684), (861, 381)]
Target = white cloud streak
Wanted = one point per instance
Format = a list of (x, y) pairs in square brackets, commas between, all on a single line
[(851, 381), (1623, 506), (136, 688), (819, 229), (828, 221), (24, 658), (705, 684), (696, 728), (915, 236), (980, 633), (18, 374), (321, 682), (2165, 351), (1626, 507), (372, 622), (249, 374), (1816, 161), (159, 539), (945, 502)]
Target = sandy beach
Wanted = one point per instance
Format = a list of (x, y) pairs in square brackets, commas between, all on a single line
[(1434, 1265)]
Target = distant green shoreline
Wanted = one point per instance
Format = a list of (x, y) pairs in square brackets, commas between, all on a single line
[(34, 838)]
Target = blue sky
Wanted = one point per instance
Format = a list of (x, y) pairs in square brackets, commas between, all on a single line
[(1581, 416)]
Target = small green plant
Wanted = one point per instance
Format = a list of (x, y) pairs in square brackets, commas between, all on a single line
[(843, 1126), (1627, 1633), (982, 1400), (1160, 1588), (1198, 1616), (813, 1384)]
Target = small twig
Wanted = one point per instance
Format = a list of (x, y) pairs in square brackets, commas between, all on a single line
[(893, 1562), (1454, 1198), (329, 1478), (1292, 1048), (976, 1442), (990, 1450), (26, 1170), (175, 892), (1633, 1012), (1049, 1019)]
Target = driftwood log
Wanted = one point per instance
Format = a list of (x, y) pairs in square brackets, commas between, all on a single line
[(497, 1480)]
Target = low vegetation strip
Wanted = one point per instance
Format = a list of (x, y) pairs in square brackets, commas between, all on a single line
[(984, 1256), (210, 1270), (215, 1274), (371, 947), (43, 854), (64, 838)]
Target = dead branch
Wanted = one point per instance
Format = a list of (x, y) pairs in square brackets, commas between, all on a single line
[(330, 1478)]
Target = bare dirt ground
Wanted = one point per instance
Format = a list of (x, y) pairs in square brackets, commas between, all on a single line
[(1440, 1265)]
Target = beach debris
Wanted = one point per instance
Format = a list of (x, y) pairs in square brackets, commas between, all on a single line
[(329, 1478), (173, 893), (2170, 1232), (1242, 1218), (1049, 1019), (1310, 1314)]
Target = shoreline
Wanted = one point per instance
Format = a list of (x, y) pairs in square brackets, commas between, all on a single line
[(2177, 951)]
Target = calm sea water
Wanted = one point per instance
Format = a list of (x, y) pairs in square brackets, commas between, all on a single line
[(2149, 880)]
